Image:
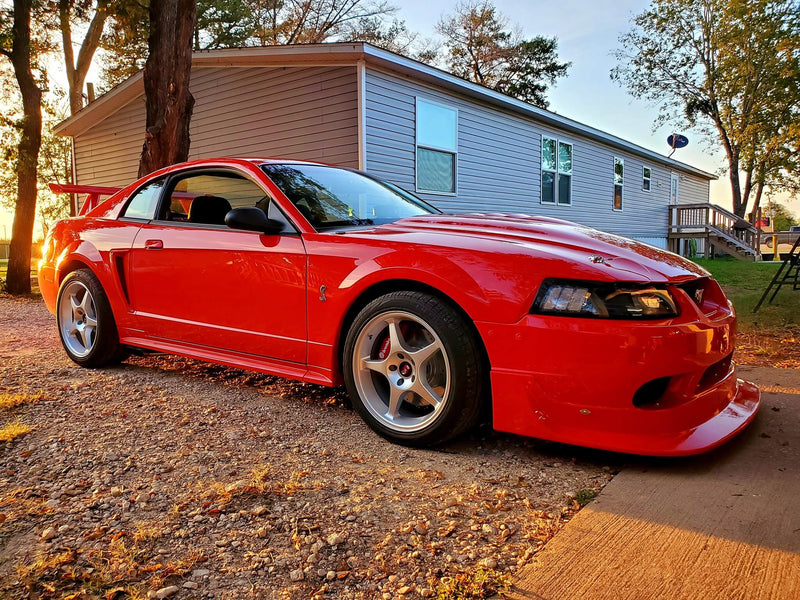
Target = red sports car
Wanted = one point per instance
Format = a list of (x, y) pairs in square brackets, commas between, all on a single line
[(328, 275)]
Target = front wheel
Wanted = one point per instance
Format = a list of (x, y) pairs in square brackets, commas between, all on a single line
[(413, 369), (85, 321)]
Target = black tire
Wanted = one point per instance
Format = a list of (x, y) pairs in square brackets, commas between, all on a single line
[(86, 323), (434, 357)]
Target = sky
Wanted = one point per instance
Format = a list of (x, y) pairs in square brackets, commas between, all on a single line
[(588, 34)]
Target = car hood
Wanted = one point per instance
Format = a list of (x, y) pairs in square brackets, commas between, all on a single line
[(610, 256)]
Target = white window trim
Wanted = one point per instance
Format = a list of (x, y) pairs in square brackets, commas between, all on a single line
[(417, 145), (615, 184), (556, 173), (648, 179)]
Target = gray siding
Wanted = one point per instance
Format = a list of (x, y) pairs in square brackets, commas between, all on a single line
[(499, 161), (692, 190), (309, 113), (497, 152)]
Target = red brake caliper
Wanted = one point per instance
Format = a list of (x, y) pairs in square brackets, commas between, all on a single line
[(386, 344), (385, 347)]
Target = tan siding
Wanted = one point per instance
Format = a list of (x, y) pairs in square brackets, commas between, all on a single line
[(309, 113), (108, 153)]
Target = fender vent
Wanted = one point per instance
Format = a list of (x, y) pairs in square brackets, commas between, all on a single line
[(119, 264)]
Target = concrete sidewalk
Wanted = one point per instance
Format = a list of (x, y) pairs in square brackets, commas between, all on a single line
[(725, 525)]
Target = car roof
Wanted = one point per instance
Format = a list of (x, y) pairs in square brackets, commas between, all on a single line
[(278, 161)]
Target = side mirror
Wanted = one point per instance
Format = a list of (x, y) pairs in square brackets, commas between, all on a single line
[(251, 218)]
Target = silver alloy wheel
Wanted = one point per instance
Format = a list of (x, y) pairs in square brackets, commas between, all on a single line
[(77, 319), (401, 371)]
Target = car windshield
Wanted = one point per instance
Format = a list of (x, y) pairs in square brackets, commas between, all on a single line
[(330, 197)]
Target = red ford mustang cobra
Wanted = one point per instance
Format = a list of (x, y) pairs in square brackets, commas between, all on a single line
[(327, 275)]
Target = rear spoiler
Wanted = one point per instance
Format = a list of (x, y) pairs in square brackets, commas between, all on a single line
[(93, 193)]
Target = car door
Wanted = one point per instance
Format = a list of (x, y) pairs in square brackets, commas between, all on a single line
[(195, 281)]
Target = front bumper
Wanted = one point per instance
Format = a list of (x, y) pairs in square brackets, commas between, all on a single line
[(652, 388)]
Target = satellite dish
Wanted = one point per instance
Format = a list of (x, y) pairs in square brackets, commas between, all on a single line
[(677, 140)]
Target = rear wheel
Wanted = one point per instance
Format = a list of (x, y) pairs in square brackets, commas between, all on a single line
[(85, 321), (413, 369)]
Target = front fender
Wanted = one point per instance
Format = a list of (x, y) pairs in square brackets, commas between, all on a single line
[(99, 245)]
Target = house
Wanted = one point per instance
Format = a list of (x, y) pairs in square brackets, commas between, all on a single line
[(458, 145)]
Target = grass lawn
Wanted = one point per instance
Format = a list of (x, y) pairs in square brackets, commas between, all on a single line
[(770, 336)]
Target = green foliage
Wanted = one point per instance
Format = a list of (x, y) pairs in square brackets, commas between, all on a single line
[(475, 585), (124, 43), (54, 154), (222, 24), (782, 219), (480, 48), (729, 70), (583, 497)]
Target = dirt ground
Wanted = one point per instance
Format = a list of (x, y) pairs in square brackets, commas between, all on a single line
[(167, 477), (769, 349)]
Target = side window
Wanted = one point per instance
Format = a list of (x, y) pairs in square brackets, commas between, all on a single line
[(556, 172), (437, 147), (646, 178), (619, 182), (205, 198), (143, 203)]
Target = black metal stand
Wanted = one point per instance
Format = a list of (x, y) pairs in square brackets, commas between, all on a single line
[(788, 273)]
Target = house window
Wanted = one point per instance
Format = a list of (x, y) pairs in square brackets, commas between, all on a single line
[(646, 174), (437, 147), (556, 172), (619, 178)]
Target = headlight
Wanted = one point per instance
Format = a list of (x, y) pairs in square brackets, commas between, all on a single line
[(604, 300)]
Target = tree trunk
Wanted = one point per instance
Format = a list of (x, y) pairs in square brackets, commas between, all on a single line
[(757, 199), (18, 280), (76, 72), (736, 189), (748, 187), (169, 102)]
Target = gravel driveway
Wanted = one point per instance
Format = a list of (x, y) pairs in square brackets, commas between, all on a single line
[(167, 477)]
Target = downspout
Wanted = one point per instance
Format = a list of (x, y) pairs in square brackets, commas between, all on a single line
[(361, 82), (73, 198)]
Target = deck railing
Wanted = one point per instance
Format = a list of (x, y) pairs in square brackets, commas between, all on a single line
[(710, 219)]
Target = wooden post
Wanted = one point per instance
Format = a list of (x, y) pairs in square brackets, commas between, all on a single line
[(758, 234), (776, 255)]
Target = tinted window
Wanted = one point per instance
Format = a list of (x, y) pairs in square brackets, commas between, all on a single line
[(143, 203), (330, 197)]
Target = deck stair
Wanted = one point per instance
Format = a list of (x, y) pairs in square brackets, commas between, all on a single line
[(722, 230)]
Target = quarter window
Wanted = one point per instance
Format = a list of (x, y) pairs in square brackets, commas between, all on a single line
[(556, 172), (619, 179), (646, 173), (437, 147), (144, 201)]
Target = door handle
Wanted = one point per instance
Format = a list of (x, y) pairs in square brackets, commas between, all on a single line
[(153, 245)]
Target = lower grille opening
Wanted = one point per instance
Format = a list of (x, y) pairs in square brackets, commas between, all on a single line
[(715, 373), (650, 393)]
